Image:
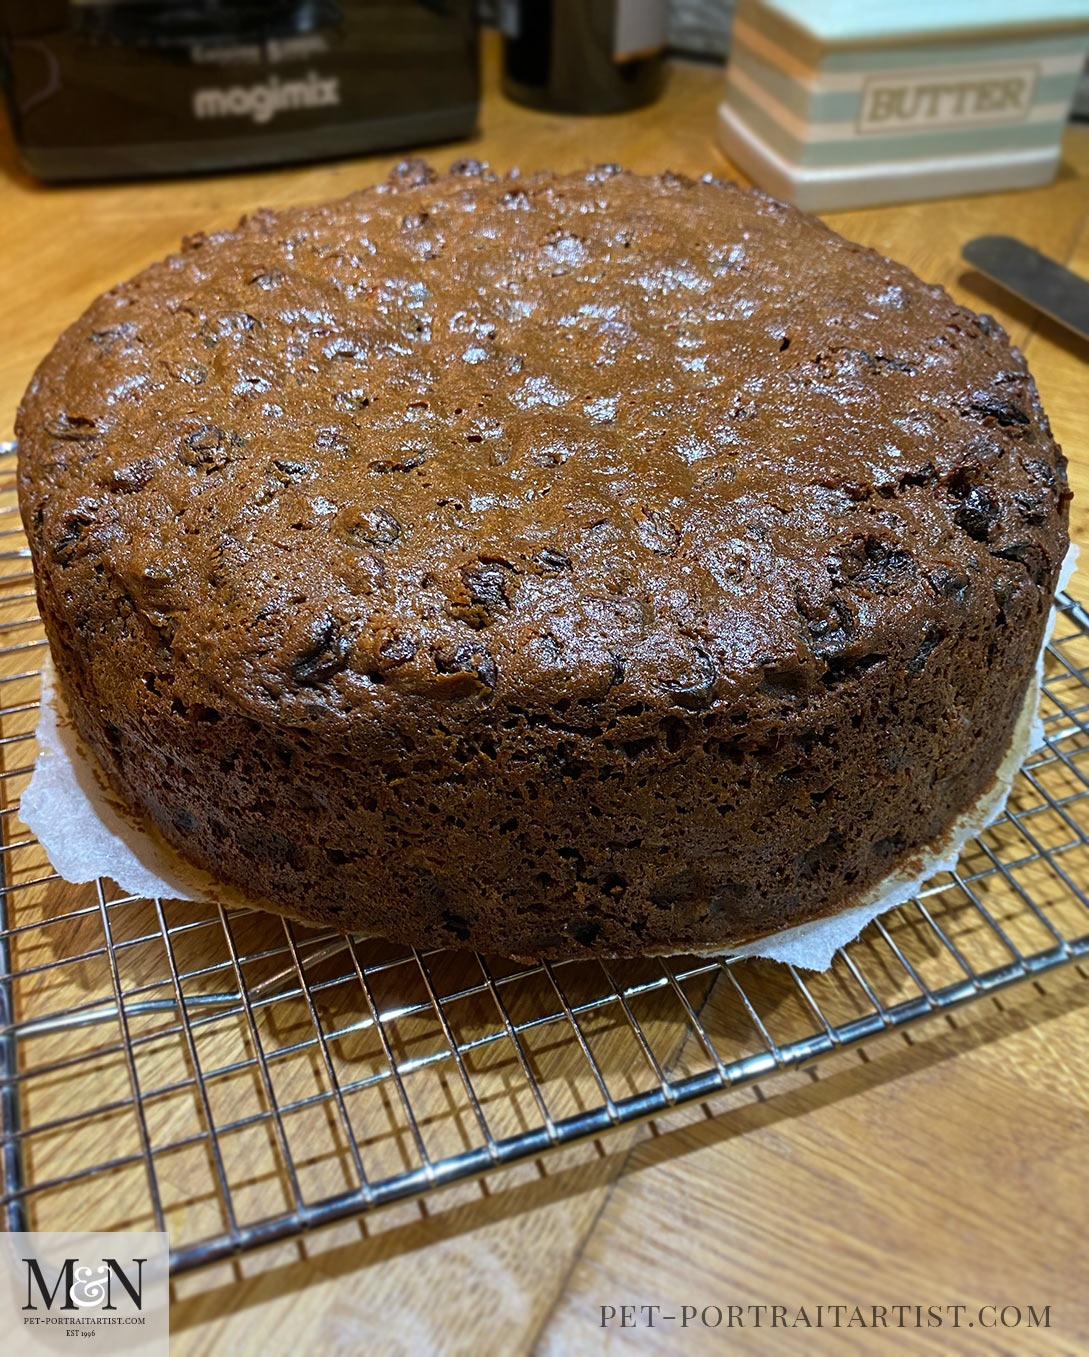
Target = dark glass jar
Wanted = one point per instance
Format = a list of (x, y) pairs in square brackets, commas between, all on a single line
[(583, 56)]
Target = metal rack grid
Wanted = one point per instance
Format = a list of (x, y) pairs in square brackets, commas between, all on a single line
[(236, 1078)]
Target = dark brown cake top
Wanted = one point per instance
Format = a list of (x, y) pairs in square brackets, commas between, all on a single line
[(540, 437)]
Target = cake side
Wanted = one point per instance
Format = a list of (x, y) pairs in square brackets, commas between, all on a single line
[(546, 565)]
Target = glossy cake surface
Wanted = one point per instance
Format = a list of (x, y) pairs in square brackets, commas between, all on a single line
[(548, 564)]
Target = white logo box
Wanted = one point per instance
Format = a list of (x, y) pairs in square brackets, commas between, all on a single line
[(59, 1290), (832, 104)]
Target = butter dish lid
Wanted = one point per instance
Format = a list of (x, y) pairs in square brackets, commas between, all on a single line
[(847, 21)]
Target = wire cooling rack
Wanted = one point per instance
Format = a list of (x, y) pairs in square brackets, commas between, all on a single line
[(235, 1078)]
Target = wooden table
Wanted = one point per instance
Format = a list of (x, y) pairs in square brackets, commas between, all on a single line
[(948, 1166)]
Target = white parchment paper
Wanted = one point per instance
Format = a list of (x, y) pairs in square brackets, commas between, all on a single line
[(85, 836)]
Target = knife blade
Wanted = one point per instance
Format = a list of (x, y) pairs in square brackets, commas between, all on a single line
[(1035, 278)]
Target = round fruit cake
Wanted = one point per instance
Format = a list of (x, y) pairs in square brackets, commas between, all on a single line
[(548, 564)]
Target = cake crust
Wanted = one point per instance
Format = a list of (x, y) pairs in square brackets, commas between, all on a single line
[(552, 565)]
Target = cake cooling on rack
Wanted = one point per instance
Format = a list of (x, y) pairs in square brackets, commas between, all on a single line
[(554, 565)]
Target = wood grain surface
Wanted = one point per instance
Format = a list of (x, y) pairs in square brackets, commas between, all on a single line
[(942, 1166)]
